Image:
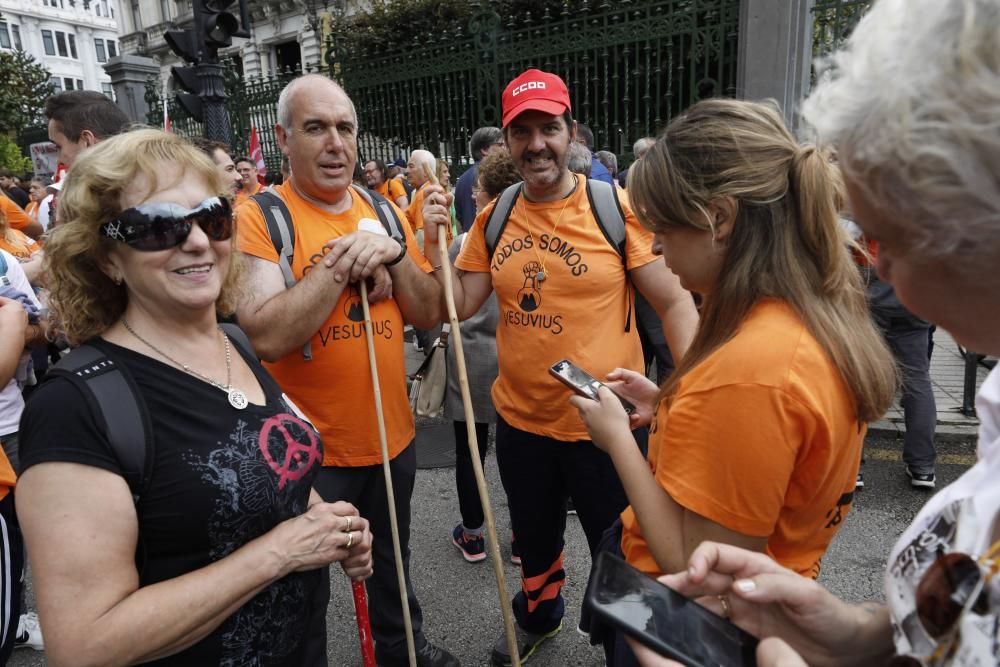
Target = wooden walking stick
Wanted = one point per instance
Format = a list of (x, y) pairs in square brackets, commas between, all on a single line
[(477, 465), (386, 470), (364, 624)]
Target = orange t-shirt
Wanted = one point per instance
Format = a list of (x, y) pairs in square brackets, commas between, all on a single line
[(8, 480), (762, 438), (22, 247), (16, 217), (391, 190), (415, 211), (245, 194), (578, 312), (335, 389)]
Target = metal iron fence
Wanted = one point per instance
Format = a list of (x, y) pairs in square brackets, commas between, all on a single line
[(253, 102), (629, 67), (833, 21)]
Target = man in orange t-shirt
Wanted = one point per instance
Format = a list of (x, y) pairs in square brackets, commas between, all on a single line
[(563, 292), (247, 169), (338, 241), (378, 180)]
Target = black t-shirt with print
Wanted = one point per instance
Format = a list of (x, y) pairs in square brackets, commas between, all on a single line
[(221, 478)]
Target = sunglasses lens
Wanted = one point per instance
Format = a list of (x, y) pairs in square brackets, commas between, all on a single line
[(160, 234), (944, 591), (217, 223)]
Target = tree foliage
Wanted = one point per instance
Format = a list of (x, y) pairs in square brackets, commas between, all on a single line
[(25, 88), (391, 25), (11, 158)]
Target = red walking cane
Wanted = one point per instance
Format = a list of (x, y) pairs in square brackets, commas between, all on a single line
[(364, 625)]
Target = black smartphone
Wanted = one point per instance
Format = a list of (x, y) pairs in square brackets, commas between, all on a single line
[(664, 620), (583, 382)]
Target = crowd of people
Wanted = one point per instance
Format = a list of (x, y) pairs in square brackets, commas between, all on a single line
[(217, 446)]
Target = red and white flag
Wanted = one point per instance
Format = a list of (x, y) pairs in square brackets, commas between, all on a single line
[(166, 116), (256, 154)]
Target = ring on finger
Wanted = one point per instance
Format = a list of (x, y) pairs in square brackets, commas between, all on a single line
[(726, 609), (348, 528), (350, 541)]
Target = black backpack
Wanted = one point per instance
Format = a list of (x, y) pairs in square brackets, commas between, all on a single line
[(114, 397)]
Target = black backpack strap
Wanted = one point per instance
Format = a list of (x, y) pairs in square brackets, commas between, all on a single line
[(279, 228), (383, 210), (238, 336), (282, 232), (499, 216), (110, 388), (609, 214), (610, 217)]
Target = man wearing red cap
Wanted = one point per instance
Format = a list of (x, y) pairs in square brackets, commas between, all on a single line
[(563, 292)]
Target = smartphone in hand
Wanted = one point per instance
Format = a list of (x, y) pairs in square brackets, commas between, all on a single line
[(583, 382), (664, 620)]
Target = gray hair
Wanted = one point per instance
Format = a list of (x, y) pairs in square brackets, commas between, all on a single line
[(288, 92), (427, 162), (642, 145), (912, 105), (579, 159), (609, 160), (482, 139)]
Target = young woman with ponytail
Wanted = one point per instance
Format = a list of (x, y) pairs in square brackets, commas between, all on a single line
[(755, 439)]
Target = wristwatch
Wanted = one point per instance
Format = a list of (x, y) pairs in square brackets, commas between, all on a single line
[(402, 253)]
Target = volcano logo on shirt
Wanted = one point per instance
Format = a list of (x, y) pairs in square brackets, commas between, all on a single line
[(352, 307), (529, 297)]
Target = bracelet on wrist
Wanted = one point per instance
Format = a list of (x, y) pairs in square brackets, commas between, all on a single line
[(401, 256)]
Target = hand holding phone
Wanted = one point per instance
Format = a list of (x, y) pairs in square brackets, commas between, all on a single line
[(664, 620), (583, 383)]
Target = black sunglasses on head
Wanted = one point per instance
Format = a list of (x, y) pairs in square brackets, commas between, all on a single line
[(162, 225)]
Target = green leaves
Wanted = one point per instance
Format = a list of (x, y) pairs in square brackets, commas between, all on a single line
[(26, 86), (11, 158)]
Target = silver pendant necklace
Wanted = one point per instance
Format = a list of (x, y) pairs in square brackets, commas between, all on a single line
[(237, 398)]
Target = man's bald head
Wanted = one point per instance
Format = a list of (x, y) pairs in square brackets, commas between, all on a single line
[(305, 82)]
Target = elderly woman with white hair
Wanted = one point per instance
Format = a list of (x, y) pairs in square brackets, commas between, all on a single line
[(912, 106)]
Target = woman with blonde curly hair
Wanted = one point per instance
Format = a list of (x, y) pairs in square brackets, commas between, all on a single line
[(221, 557)]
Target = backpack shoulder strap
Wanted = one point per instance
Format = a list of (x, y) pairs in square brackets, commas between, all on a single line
[(499, 216), (110, 387), (610, 217), (609, 214), (280, 229), (282, 232), (383, 210)]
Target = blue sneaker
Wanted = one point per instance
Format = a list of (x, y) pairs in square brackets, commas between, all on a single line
[(473, 547)]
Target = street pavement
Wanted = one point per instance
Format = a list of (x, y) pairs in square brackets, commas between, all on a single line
[(461, 608)]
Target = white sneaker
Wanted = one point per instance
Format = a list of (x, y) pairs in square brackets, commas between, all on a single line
[(29, 633)]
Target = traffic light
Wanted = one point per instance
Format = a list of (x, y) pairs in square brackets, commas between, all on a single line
[(184, 43), (188, 80), (218, 25)]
